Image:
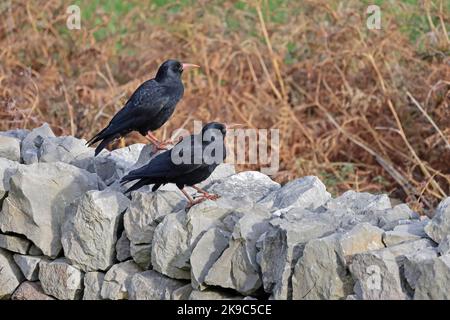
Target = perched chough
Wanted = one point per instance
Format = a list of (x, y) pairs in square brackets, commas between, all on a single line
[(148, 108), (189, 162)]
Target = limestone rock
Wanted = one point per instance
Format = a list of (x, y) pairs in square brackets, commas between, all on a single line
[(14, 243), (30, 291), (89, 234), (434, 280), (117, 280), (363, 237), (151, 285), (29, 265), (141, 254), (7, 169), (9, 148), (439, 227), (10, 275), (170, 248), (38, 196), (93, 282), (32, 142), (182, 293), (210, 294), (61, 280), (123, 248), (444, 246)]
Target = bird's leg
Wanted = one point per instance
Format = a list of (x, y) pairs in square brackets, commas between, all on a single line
[(205, 194), (158, 144), (192, 202)]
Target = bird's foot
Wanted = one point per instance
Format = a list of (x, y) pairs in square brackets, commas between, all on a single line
[(210, 196), (161, 146), (194, 202)]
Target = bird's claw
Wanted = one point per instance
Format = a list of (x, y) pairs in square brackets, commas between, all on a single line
[(210, 196)]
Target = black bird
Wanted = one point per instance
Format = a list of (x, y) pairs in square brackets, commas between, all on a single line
[(148, 108), (202, 153)]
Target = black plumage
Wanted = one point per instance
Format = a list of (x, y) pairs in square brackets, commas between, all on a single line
[(148, 108), (202, 153)]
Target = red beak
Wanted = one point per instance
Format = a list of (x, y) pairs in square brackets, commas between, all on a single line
[(189, 66)]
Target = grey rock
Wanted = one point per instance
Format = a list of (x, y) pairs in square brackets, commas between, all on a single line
[(151, 285), (222, 171), (359, 202), (123, 247), (170, 248), (321, 272), (32, 142), (206, 252), (210, 294), (36, 214), (182, 293), (434, 280), (147, 210), (282, 245), (416, 227), (89, 234), (412, 264), (9, 148), (7, 169), (30, 291), (439, 227), (248, 186), (361, 238), (117, 280), (35, 251), (10, 275), (389, 218), (237, 267), (61, 280), (391, 238), (141, 254), (377, 276), (444, 246), (16, 133), (111, 166), (14, 243), (307, 192), (29, 265), (93, 282)]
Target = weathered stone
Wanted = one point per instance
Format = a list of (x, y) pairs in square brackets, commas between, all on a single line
[(141, 254), (377, 276), (7, 169), (222, 171), (32, 142), (411, 265), (16, 133), (391, 238), (361, 238), (151, 285), (416, 227), (444, 246), (282, 246), (30, 291), (170, 248), (111, 166), (321, 272), (117, 280), (248, 186), (29, 265), (89, 234), (123, 248), (182, 293), (359, 202), (10, 275), (307, 192), (35, 251), (61, 280), (434, 280), (10, 148), (38, 196), (237, 267), (93, 282), (14, 243), (206, 252), (439, 227), (210, 294), (389, 218), (147, 210)]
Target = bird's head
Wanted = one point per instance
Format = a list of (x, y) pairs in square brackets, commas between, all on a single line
[(173, 69)]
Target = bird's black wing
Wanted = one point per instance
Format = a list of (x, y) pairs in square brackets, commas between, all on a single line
[(144, 104)]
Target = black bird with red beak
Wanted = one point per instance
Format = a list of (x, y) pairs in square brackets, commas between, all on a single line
[(148, 108), (205, 151)]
